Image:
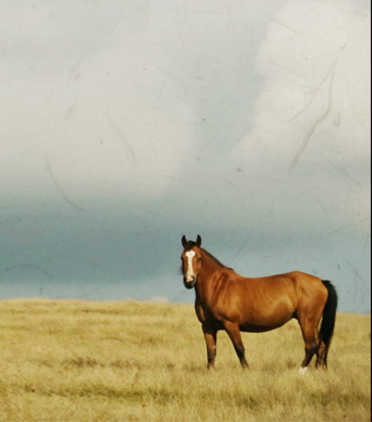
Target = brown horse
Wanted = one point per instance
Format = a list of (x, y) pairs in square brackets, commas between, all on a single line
[(227, 301)]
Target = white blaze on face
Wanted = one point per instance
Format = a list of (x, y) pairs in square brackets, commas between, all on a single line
[(190, 271)]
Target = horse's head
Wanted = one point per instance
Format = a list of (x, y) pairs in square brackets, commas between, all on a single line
[(191, 261)]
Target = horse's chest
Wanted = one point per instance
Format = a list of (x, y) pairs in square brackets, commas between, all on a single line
[(207, 315), (200, 312)]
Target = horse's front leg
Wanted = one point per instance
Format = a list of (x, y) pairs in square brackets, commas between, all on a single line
[(233, 331), (210, 336)]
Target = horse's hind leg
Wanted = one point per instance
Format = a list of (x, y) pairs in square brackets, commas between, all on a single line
[(320, 356), (311, 338)]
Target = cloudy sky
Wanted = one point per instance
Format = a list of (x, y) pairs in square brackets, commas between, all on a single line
[(126, 124)]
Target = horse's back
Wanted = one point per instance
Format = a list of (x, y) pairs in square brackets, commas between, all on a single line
[(306, 289)]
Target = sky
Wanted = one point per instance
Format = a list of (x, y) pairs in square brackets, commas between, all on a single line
[(127, 124)]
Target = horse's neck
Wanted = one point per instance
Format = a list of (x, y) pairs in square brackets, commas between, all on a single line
[(209, 265), (205, 278)]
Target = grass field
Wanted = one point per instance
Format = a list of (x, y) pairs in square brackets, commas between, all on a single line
[(131, 361)]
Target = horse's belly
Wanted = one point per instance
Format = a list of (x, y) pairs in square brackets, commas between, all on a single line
[(258, 322), (261, 328), (266, 313)]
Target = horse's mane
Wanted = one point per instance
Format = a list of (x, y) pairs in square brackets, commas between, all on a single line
[(214, 258)]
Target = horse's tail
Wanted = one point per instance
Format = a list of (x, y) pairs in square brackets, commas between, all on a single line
[(329, 317)]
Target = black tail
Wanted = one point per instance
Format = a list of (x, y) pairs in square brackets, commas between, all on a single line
[(329, 318)]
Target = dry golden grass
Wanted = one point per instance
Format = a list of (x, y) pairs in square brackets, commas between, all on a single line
[(129, 361)]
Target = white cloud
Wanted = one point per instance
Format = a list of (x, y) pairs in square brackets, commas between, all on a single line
[(111, 99), (89, 103), (311, 123), (315, 60), (125, 99)]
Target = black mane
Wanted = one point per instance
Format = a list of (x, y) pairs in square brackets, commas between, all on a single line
[(214, 258)]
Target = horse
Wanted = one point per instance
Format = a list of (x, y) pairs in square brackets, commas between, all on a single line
[(228, 301)]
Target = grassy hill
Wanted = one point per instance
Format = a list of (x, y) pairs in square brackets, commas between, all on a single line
[(131, 361)]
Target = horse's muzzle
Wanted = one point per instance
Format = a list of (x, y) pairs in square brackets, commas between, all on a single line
[(189, 284)]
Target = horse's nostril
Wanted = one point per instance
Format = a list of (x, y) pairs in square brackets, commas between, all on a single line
[(189, 284)]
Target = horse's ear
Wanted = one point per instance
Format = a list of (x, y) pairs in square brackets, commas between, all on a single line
[(198, 241), (184, 241)]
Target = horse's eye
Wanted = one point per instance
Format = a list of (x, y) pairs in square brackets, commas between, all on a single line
[(199, 259)]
